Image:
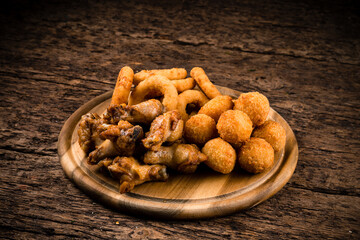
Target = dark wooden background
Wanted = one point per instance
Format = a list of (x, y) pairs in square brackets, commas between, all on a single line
[(303, 55)]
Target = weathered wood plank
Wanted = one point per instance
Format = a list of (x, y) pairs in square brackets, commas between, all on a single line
[(28, 205), (306, 29), (304, 56)]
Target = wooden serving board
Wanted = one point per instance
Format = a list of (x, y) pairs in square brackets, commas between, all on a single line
[(203, 194)]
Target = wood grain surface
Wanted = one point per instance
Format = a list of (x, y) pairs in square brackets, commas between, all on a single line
[(303, 55), (203, 194)]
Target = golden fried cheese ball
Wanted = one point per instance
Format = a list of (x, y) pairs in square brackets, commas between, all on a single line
[(221, 155), (255, 105), (199, 129), (256, 155), (234, 126), (273, 133), (216, 106)]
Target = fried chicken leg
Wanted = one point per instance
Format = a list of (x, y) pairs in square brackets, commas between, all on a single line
[(167, 127), (120, 141), (144, 112), (181, 157), (131, 173)]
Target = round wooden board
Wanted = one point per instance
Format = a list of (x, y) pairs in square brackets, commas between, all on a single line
[(200, 195)]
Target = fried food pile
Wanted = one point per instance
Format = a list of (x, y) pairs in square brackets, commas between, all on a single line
[(165, 123)]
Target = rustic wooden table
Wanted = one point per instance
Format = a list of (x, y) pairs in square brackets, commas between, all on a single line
[(304, 56)]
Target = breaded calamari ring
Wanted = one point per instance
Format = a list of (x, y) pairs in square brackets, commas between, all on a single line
[(123, 86), (221, 155), (256, 155), (184, 84), (273, 133), (204, 83), (234, 126), (255, 105), (190, 97), (171, 74), (199, 129), (216, 106), (154, 86)]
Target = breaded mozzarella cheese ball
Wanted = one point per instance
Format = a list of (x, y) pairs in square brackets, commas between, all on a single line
[(256, 155), (255, 105), (234, 126), (199, 129), (216, 106), (221, 155), (273, 133)]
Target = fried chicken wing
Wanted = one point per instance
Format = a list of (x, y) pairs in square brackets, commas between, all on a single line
[(181, 157), (167, 127), (90, 127), (144, 112), (120, 141), (131, 173)]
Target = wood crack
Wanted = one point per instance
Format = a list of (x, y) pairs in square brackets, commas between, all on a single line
[(49, 152), (285, 55), (180, 42), (51, 231), (343, 192), (45, 232), (48, 81), (326, 150), (199, 234)]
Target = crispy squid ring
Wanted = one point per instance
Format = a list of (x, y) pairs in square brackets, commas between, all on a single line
[(153, 87), (187, 97), (123, 86), (204, 83), (171, 74), (184, 84)]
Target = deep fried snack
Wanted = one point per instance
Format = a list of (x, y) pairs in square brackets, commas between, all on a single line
[(221, 155), (190, 97), (90, 127), (199, 129), (171, 74), (256, 155), (181, 157), (144, 112), (184, 84), (123, 86), (204, 83), (255, 105), (131, 173), (153, 87), (120, 140), (273, 133), (234, 126), (216, 106), (165, 128)]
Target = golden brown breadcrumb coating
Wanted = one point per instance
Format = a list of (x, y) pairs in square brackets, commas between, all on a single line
[(221, 155), (187, 97), (204, 83), (123, 86), (273, 133), (234, 126), (256, 155), (255, 105), (155, 86), (216, 106), (184, 84), (199, 129), (173, 73)]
